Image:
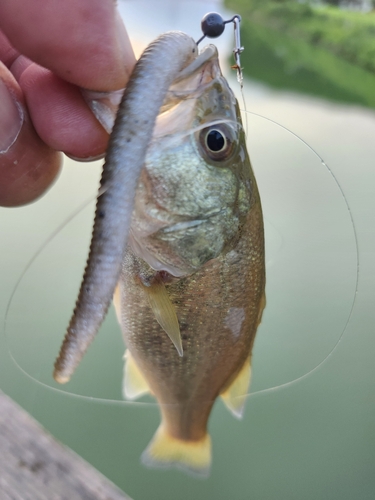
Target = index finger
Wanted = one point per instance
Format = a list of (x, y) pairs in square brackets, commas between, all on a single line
[(82, 41)]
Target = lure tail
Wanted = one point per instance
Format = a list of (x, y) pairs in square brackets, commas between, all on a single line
[(166, 451)]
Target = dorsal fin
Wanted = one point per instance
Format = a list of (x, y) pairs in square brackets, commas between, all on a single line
[(165, 312), (234, 396)]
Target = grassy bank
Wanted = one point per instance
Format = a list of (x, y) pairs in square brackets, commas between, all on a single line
[(322, 51)]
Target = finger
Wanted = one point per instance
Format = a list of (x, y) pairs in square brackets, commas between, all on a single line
[(58, 111), (11, 58), (82, 41), (27, 165), (60, 115), (8, 54)]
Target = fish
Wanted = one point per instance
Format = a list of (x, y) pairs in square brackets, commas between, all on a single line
[(190, 287)]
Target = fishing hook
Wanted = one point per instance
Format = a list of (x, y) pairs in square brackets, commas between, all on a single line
[(213, 26)]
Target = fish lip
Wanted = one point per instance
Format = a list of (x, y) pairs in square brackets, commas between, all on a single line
[(202, 71), (208, 54)]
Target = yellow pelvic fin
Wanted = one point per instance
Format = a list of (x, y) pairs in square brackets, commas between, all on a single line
[(165, 312), (117, 303), (234, 396), (165, 451), (134, 383)]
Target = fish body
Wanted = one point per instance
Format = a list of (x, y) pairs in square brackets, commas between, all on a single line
[(178, 225), (196, 256)]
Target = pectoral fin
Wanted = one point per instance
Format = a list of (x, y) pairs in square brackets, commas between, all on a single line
[(134, 383), (234, 397), (165, 312)]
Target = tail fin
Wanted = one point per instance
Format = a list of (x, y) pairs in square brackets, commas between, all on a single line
[(166, 451)]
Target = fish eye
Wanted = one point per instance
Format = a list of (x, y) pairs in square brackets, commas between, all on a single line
[(217, 142)]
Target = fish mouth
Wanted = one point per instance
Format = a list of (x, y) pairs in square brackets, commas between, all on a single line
[(192, 101), (208, 55), (193, 79)]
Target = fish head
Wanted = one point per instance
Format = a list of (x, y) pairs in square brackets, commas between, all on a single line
[(195, 188)]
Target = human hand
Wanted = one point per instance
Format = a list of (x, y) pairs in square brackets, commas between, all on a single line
[(49, 50)]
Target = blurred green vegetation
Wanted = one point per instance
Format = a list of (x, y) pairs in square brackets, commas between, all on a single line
[(320, 50)]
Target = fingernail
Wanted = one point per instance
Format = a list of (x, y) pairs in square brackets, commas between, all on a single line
[(11, 116), (104, 105), (87, 159)]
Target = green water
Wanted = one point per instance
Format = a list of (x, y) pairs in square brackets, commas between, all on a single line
[(313, 439)]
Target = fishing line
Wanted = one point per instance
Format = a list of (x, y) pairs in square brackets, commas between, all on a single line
[(213, 26), (244, 109), (325, 165), (45, 243), (86, 203)]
